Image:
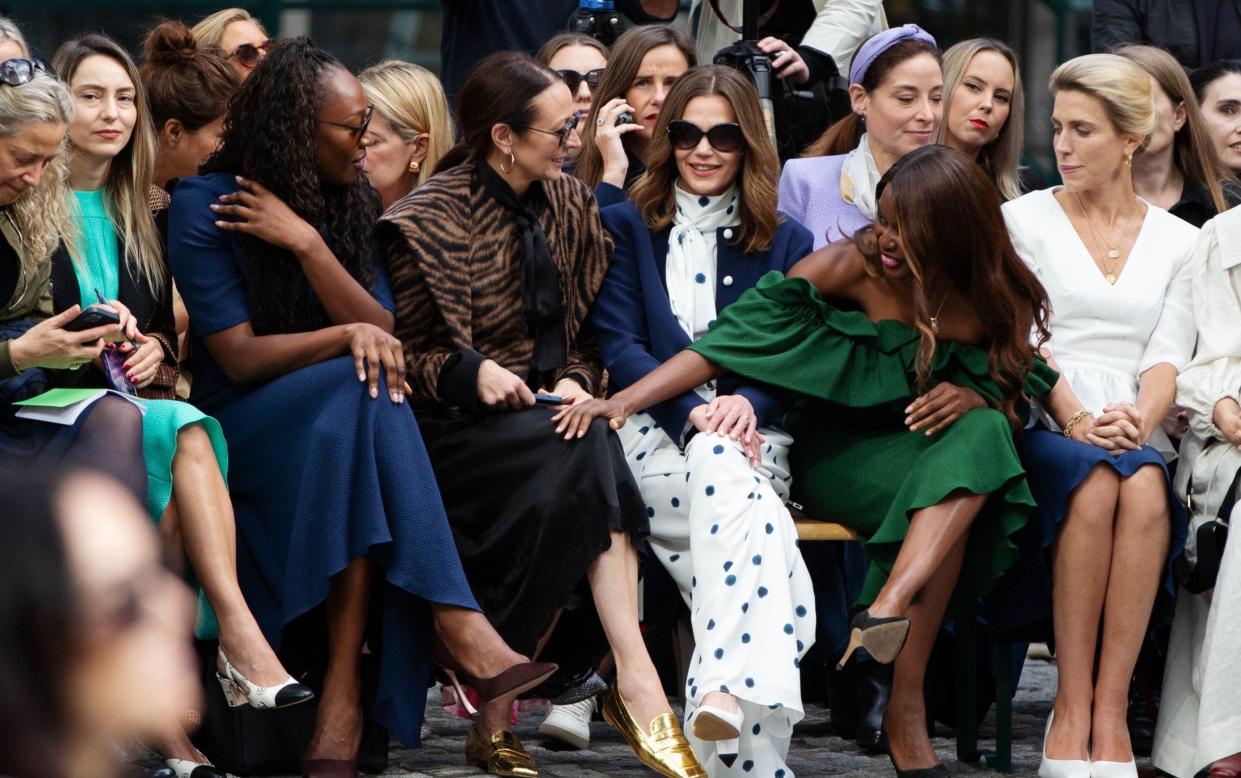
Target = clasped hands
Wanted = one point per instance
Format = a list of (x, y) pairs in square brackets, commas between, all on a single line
[(1118, 430)]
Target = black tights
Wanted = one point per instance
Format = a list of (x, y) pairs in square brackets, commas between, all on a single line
[(110, 440)]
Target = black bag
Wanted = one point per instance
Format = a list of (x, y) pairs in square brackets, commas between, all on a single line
[(249, 741), (1198, 566)]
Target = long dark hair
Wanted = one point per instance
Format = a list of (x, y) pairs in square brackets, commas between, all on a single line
[(182, 81), (501, 89), (954, 237), (844, 136), (623, 63), (38, 624), (269, 137)]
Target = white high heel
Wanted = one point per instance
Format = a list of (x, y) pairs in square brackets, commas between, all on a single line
[(184, 768), (1114, 769), (721, 726), (238, 690), (1062, 768)]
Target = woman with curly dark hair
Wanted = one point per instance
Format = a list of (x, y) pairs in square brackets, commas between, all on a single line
[(292, 321)]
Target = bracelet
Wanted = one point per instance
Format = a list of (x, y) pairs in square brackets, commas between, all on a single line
[(1073, 420)]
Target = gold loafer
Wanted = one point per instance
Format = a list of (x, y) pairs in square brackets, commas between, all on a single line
[(501, 755), (661, 746)]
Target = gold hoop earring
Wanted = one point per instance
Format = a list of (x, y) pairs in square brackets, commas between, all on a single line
[(512, 160), (414, 166)]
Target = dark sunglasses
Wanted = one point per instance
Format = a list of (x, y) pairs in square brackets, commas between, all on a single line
[(574, 79), (685, 135), (16, 72), (249, 54), (357, 130), (563, 133)]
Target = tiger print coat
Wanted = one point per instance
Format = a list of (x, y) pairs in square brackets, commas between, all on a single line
[(456, 278)]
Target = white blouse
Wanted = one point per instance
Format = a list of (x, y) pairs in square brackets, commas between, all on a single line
[(1104, 336), (1215, 372)]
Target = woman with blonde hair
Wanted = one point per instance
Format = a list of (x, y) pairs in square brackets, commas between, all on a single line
[(1178, 168), (1117, 272), (409, 131), (118, 256), (643, 65), (235, 32), (984, 109), (705, 213), (12, 42)]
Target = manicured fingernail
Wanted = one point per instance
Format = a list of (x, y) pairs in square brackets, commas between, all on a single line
[(374, 392), (215, 206)]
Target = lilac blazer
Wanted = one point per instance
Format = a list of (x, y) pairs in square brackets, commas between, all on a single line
[(810, 193)]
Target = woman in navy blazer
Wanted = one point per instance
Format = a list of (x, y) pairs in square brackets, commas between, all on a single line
[(713, 464)]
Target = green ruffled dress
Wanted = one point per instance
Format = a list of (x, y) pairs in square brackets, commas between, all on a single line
[(853, 460)]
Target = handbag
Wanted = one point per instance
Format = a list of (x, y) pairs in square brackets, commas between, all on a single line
[(1196, 569), (250, 741)]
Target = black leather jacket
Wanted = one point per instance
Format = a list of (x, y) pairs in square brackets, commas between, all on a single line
[(1169, 24)]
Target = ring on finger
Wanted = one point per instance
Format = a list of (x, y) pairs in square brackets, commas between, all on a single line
[(599, 121)]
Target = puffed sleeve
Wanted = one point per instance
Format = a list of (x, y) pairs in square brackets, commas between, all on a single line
[(1215, 372), (1172, 341)]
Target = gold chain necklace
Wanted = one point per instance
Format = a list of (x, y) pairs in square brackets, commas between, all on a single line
[(935, 318), (1113, 250)]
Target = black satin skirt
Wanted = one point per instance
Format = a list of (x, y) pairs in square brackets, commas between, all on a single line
[(529, 510)]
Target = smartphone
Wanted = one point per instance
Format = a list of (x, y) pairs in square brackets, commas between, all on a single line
[(625, 118), (548, 399), (94, 316)]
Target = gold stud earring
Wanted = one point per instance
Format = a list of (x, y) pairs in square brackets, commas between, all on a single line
[(512, 160), (414, 166)]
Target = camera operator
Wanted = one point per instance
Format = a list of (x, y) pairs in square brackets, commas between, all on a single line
[(472, 29)]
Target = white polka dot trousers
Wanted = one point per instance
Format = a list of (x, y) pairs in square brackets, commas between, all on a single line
[(720, 528)]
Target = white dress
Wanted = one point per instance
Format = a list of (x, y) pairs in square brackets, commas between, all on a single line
[(1104, 336), (720, 528), (1200, 708)]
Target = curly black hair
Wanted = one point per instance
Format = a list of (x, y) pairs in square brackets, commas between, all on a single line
[(269, 137)]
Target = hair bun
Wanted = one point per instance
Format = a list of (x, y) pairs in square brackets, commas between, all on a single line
[(170, 42)]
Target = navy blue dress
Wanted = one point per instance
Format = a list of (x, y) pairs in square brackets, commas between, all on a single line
[(320, 474)]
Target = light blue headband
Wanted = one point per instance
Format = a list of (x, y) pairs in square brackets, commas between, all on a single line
[(878, 44)]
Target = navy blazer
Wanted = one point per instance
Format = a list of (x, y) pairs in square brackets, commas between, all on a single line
[(633, 318)]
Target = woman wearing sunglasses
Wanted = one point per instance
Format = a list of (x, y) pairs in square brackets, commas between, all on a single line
[(238, 34), (701, 229), (643, 65), (35, 111), (291, 321), (495, 263), (580, 60), (117, 255)]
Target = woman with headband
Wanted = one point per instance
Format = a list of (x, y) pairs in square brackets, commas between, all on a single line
[(897, 90)]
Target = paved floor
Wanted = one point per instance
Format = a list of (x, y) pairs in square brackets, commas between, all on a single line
[(816, 751)]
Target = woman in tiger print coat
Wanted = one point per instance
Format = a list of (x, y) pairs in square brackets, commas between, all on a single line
[(494, 264)]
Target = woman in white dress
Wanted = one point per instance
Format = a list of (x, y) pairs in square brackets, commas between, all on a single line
[(1200, 719), (1116, 269), (712, 463)]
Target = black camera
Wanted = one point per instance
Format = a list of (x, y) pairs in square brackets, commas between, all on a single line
[(600, 20), (795, 116)]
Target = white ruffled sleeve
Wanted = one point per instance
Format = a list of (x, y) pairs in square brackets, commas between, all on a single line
[(1215, 372)]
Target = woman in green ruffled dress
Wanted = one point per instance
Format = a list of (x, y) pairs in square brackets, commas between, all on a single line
[(910, 350)]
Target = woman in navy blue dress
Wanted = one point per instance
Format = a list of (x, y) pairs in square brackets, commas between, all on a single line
[(335, 500)]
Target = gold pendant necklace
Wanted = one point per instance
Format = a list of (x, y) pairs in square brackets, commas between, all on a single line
[(1113, 250)]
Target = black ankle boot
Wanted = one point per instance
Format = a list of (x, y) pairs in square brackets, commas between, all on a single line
[(873, 687), (842, 701)]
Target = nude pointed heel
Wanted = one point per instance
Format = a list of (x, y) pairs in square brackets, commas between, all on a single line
[(883, 638)]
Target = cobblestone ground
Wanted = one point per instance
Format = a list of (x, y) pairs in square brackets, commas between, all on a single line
[(816, 750)]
